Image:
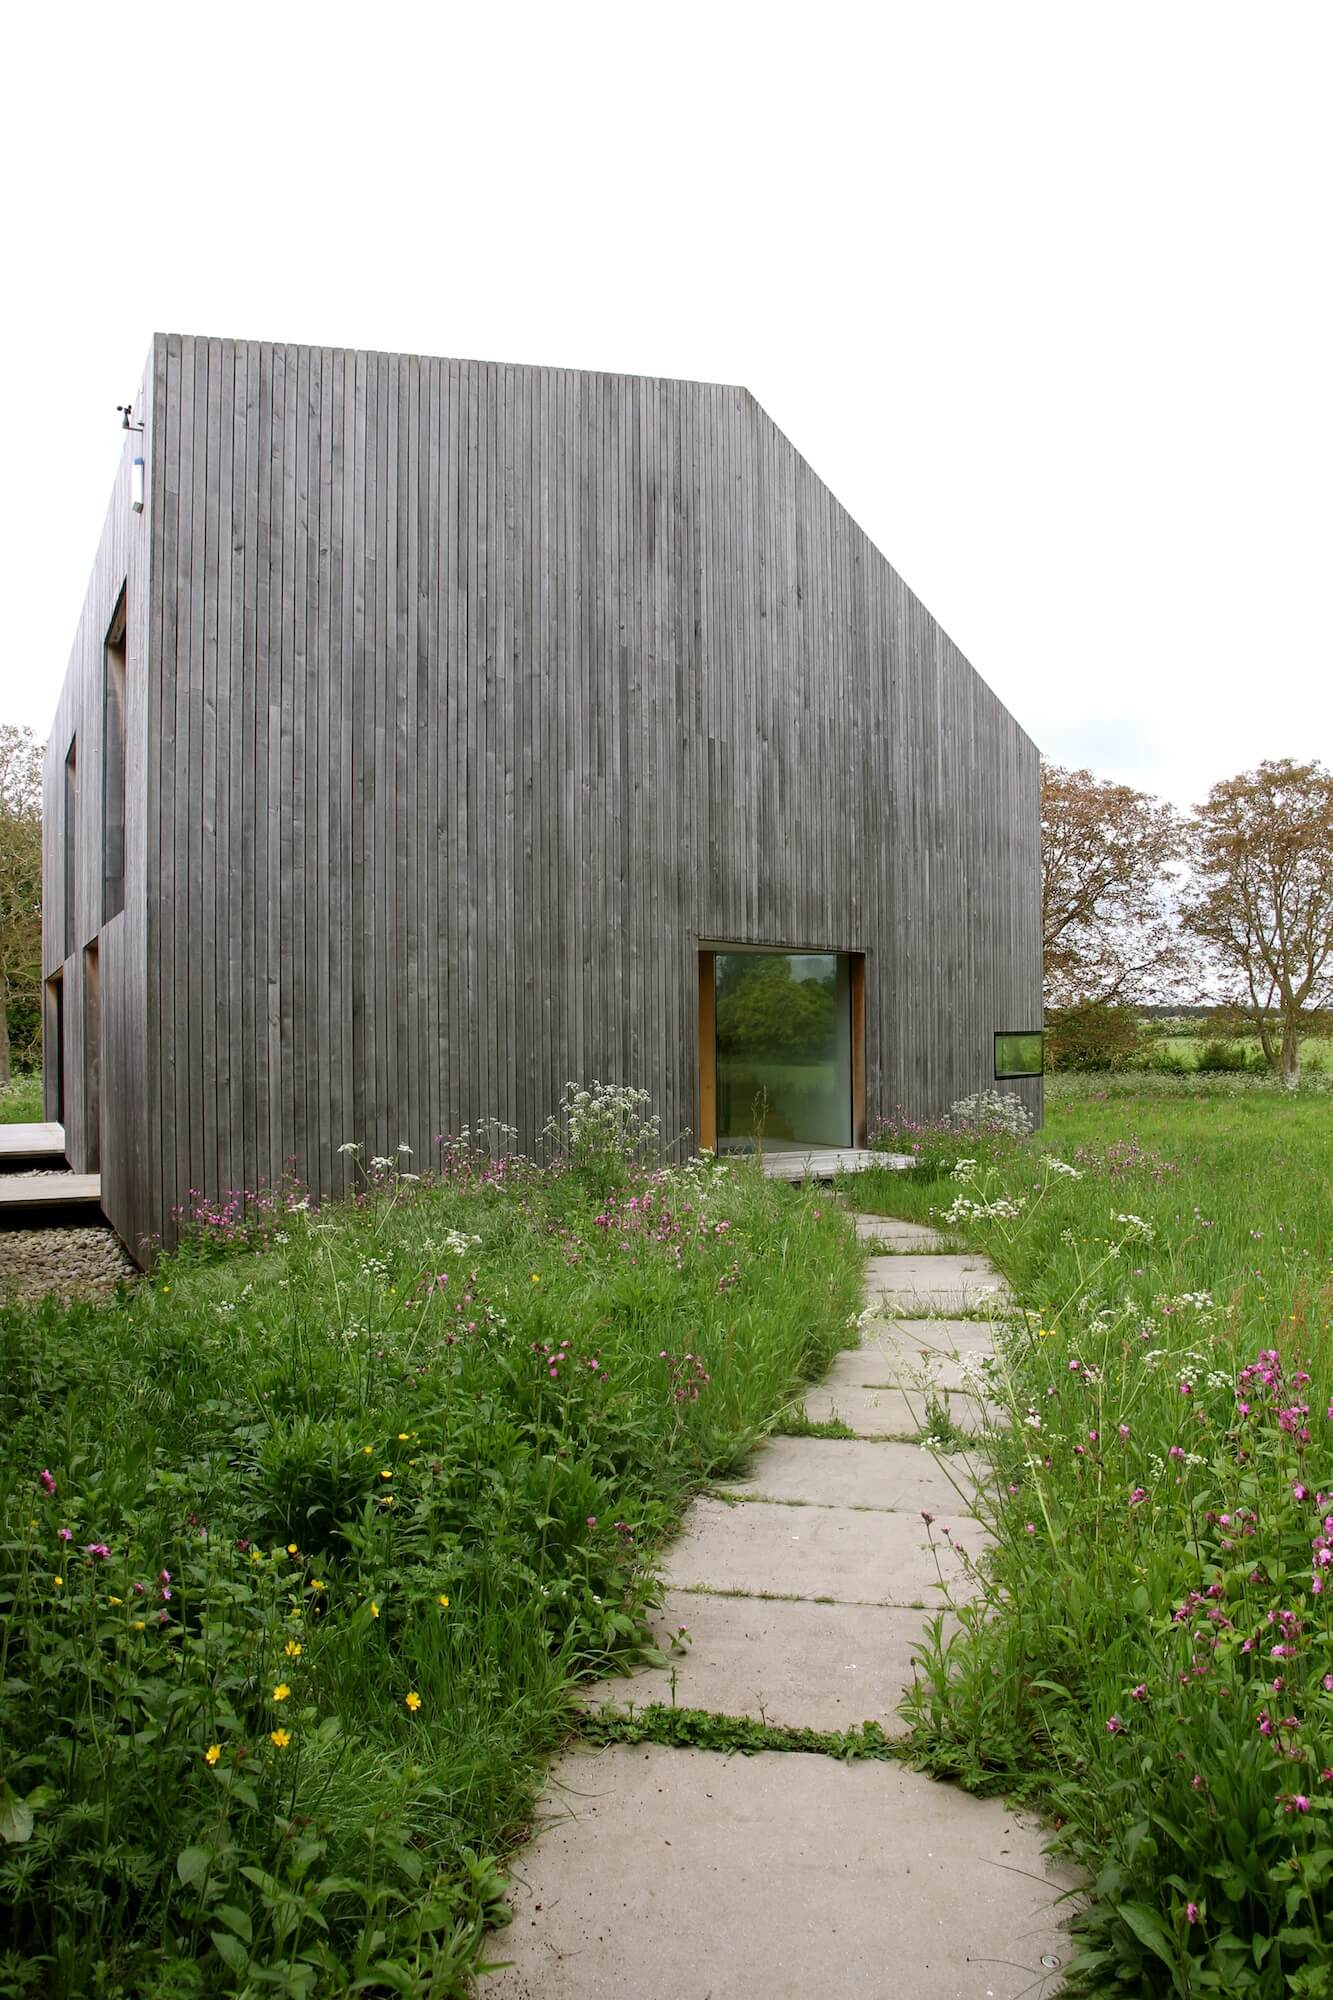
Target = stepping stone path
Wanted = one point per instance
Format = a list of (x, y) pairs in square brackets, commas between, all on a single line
[(672, 1874)]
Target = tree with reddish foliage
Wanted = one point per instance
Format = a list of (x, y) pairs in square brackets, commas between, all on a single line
[(1108, 933), (20, 884), (1262, 902)]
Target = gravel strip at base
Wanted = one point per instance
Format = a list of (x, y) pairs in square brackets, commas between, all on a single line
[(72, 1263)]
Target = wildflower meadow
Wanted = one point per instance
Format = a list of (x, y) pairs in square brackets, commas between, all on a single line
[(1150, 1656), (308, 1541)]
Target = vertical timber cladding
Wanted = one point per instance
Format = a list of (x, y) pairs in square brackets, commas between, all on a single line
[(104, 1063), (484, 694)]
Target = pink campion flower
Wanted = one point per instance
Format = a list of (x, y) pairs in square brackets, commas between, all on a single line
[(1265, 1723), (1300, 1492), (1031, 1528), (47, 1481), (65, 1534), (1198, 1783), (1114, 1725), (98, 1549), (1191, 1913), (1124, 1433), (1139, 1693), (1186, 1389), (592, 1520), (1139, 1494), (1328, 1683), (1298, 1802)]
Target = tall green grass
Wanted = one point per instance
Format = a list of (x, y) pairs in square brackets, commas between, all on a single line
[(305, 1547), (1150, 1657), (21, 1099)]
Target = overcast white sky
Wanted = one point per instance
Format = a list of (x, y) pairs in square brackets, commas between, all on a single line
[(1042, 291)]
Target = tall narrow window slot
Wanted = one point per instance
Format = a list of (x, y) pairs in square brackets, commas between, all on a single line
[(92, 1062), (71, 834), (113, 764)]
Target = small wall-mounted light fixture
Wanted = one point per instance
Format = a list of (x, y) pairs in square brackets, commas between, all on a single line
[(127, 423)]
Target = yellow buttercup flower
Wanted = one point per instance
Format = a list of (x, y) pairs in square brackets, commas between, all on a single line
[(59, 1582), (374, 1609), (115, 1600), (413, 1701), (292, 1650), (281, 1691), (280, 1737), (256, 1556), (292, 1549), (444, 1603), (536, 1277), (386, 1473), (315, 1583), (138, 1624), (213, 1752), (367, 1451), (402, 1437)]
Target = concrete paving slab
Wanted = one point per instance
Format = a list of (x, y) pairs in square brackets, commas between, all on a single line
[(803, 1666), (941, 1284), (682, 1875), (888, 1410), (899, 1235), (837, 1552), (868, 1413), (844, 1472), (907, 1352)]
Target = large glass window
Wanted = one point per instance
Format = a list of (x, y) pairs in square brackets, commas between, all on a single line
[(784, 1049)]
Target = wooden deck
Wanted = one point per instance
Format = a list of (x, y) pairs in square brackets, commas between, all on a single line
[(30, 1143), (50, 1191), (821, 1163)]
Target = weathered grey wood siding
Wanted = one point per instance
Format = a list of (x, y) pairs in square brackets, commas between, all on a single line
[(105, 1026), (479, 695)]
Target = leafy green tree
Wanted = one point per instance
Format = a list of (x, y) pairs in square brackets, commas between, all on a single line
[(1262, 851), (20, 894)]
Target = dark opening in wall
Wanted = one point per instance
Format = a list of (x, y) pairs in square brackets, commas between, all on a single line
[(92, 1062), (71, 831), (53, 1032), (113, 763)]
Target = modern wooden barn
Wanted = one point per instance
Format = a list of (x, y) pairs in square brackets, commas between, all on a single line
[(440, 732)]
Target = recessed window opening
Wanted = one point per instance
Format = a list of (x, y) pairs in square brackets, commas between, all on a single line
[(92, 1061), (1018, 1053), (53, 1029), (113, 763), (71, 833), (779, 1032)]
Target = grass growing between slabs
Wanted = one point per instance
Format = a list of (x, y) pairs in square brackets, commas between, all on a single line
[(307, 1545), (1150, 1656)]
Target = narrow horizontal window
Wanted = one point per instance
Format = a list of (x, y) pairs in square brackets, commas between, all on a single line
[(1018, 1053)]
